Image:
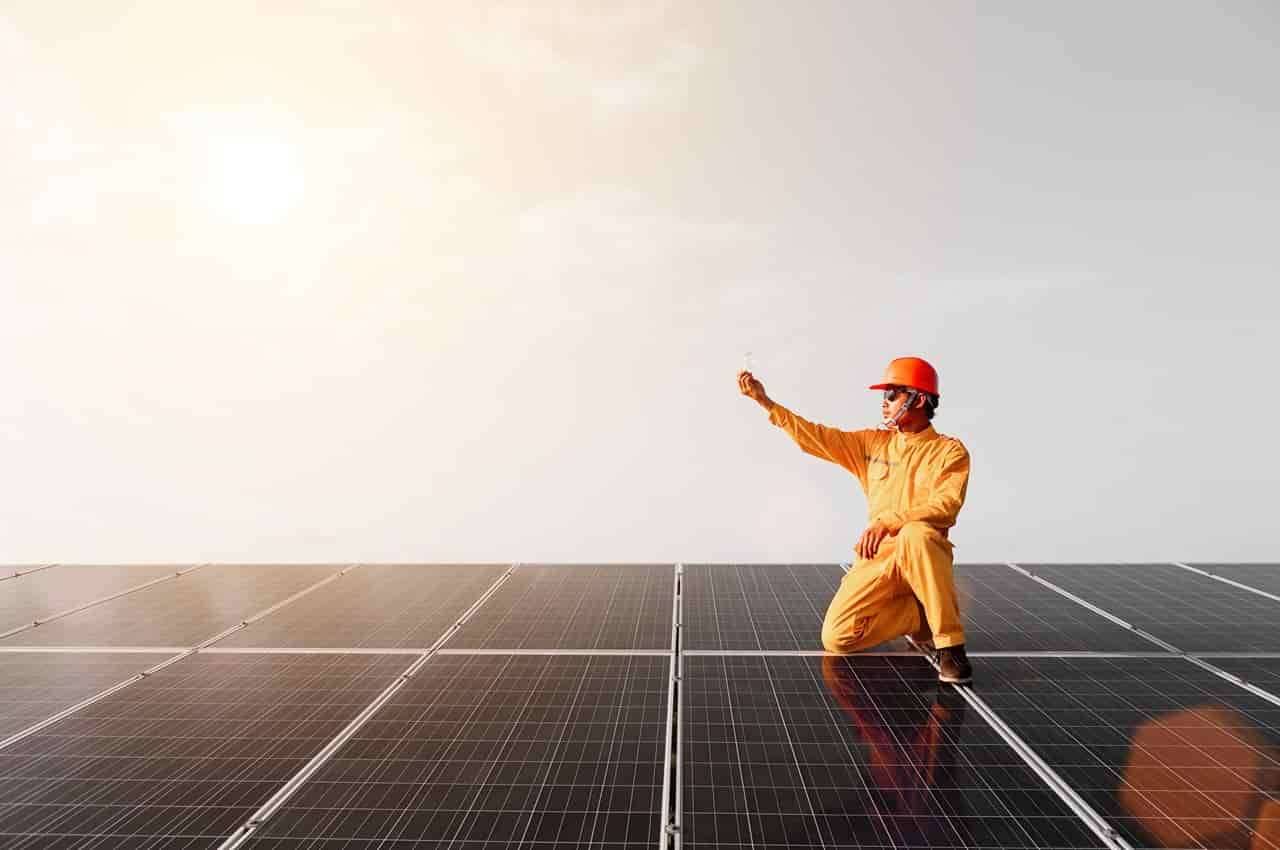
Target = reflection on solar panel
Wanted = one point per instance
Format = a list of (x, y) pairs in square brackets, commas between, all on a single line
[(1170, 753), (179, 612), (498, 751), (825, 752), (1004, 611), (1190, 611), (1264, 577), (576, 607), (631, 705), (60, 588), (388, 605)]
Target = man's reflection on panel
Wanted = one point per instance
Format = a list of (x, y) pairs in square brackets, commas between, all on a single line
[(910, 749)]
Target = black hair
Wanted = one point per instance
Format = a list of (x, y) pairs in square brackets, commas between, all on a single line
[(930, 405)]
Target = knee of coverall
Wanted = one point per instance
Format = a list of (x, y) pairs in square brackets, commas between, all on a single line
[(919, 533), (844, 642)]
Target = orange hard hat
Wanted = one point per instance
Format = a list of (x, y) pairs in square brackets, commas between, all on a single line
[(911, 372)]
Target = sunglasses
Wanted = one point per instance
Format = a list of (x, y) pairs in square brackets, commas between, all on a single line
[(892, 393)]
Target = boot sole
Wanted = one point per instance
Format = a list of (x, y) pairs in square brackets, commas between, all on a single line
[(955, 680)]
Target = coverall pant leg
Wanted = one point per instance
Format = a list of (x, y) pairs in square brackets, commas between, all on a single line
[(885, 596)]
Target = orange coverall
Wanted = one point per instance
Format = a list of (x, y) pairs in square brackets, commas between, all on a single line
[(915, 484)]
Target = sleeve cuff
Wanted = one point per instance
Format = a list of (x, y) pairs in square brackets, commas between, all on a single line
[(893, 520), (778, 414)]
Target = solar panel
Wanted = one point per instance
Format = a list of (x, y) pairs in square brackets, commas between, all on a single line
[(1190, 611), (386, 605), (497, 751), (182, 757), (757, 607), (1263, 672), (575, 607), (179, 612), (37, 595), (1265, 577), (1004, 611), (37, 685), (1171, 754), (852, 752), (544, 720)]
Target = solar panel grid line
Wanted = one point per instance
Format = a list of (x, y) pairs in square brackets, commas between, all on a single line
[(179, 759), (550, 762), (1175, 606), (270, 609), (670, 770), (515, 651), (311, 650), (1185, 779), (1094, 608), (1252, 688), (301, 593), (168, 613), (1226, 580), (272, 805), (1235, 680), (142, 650), (791, 747), (673, 832), (20, 572), (39, 621), (85, 703), (1099, 825), (1237, 654)]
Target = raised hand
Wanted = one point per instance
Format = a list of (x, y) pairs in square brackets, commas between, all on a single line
[(753, 389)]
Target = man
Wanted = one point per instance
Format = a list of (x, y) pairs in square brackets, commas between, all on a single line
[(915, 480)]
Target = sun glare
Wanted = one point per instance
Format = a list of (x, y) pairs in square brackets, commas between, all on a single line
[(252, 179)]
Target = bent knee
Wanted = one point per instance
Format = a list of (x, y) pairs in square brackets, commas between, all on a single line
[(919, 532), (845, 641)]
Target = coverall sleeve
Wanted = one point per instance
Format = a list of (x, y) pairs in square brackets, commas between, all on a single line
[(943, 505), (846, 448)]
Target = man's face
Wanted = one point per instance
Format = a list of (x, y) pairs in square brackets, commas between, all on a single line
[(889, 408)]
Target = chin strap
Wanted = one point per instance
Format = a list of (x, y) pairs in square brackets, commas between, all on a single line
[(892, 424)]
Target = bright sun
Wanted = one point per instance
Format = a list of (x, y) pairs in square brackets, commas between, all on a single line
[(252, 179)]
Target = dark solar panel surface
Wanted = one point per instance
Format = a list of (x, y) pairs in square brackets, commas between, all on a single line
[(497, 751), (1193, 612), (1171, 754), (575, 607), (1004, 611), (1265, 577), (386, 605), (1262, 672), (36, 685), (548, 750), (39, 594), (183, 757), (832, 752), (757, 607), (179, 612)]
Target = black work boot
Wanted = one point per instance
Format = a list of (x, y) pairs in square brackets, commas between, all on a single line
[(953, 666)]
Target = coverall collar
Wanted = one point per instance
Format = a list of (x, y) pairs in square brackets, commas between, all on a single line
[(918, 437)]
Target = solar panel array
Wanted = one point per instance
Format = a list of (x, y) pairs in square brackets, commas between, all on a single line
[(630, 705)]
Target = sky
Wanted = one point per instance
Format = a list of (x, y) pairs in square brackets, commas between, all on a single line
[(423, 282)]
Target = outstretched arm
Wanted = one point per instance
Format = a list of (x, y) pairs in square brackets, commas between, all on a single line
[(842, 447)]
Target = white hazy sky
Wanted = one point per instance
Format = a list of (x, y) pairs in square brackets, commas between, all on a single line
[(400, 281)]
